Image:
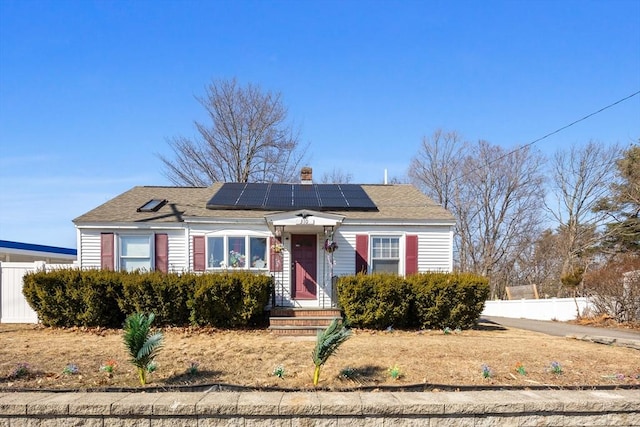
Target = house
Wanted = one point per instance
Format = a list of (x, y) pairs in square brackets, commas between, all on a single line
[(303, 234)]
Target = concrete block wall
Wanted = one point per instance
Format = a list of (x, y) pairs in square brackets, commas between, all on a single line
[(480, 408)]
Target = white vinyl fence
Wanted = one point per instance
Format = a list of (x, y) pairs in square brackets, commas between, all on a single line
[(13, 306), (560, 309)]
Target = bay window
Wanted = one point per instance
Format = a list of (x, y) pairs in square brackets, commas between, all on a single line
[(236, 252)]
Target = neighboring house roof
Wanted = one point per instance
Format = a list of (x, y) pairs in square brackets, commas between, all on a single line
[(18, 251), (394, 202)]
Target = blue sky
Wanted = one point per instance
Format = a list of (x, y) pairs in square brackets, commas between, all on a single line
[(91, 90)]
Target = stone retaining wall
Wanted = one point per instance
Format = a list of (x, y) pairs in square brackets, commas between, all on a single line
[(479, 408)]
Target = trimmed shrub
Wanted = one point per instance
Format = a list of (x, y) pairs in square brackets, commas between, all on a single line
[(375, 301), (165, 295), (428, 300), (71, 297), (230, 299), (453, 300)]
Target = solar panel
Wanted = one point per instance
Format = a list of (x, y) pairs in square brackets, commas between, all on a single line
[(261, 196), (253, 194), (305, 196), (280, 197)]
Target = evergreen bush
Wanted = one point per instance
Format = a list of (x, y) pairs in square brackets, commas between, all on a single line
[(427, 300), (73, 297), (230, 299), (375, 301), (164, 294)]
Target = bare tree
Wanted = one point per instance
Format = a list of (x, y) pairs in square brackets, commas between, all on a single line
[(495, 195), (336, 176), (436, 167), (581, 177), (502, 202), (248, 140)]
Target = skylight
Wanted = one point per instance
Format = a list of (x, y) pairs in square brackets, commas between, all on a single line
[(152, 205)]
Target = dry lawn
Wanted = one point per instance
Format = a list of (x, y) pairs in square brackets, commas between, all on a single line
[(248, 358)]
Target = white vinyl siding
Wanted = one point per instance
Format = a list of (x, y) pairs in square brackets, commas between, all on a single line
[(435, 246), (435, 250), (89, 250), (178, 251)]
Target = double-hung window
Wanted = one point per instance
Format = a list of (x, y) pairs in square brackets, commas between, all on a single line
[(385, 254), (236, 252), (135, 253)]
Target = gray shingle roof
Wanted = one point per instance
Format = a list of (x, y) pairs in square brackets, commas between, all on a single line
[(394, 202)]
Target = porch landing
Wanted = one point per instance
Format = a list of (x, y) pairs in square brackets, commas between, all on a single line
[(294, 321)]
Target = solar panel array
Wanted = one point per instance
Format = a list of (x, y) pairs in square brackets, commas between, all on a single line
[(283, 197)]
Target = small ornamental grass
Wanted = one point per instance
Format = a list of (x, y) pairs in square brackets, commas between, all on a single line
[(487, 372), (21, 370), (279, 372), (521, 369), (71, 369), (395, 373), (348, 373), (192, 369), (109, 366), (555, 368)]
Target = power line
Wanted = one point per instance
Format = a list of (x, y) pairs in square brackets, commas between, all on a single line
[(578, 121), (553, 133)]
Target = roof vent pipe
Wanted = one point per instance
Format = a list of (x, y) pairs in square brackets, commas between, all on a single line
[(385, 176)]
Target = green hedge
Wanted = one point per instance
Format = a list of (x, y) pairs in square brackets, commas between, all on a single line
[(165, 295), (453, 300), (429, 300), (230, 299), (72, 297), (375, 301)]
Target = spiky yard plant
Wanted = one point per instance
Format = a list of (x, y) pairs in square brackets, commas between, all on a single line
[(142, 345), (327, 343)]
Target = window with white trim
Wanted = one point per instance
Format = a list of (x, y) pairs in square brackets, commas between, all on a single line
[(135, 253), (385, 254), (244, 252)]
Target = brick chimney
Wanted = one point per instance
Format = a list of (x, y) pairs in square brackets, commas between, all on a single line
[(306, 175)]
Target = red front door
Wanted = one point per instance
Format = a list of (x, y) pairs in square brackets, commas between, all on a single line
[(304, 260)]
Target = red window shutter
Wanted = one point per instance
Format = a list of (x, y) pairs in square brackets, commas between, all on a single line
[(162, 252), (107, 256), (411, 255), (199, 255), (275, 257), (362, 253)]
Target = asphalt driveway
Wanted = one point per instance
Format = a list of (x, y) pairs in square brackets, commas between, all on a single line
[(563, 329)]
